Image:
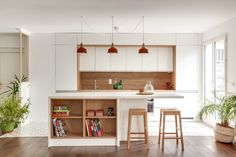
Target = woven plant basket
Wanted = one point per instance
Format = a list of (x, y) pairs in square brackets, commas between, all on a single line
[(224, 134)]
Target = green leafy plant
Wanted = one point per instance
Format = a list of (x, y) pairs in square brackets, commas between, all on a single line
[(225, 109), (13, 87), (12, 113)]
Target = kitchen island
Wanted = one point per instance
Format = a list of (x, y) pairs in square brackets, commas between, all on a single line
[(114, 126)]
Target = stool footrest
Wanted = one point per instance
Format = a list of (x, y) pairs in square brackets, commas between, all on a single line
[(172, 137), (137, 133), (137, 137), (168, 133)]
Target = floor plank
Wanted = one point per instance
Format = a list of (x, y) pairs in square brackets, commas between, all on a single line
[(194, 146)]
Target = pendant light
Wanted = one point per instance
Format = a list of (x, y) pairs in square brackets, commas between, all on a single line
[(81, 49), (112, 49), (143, 49)]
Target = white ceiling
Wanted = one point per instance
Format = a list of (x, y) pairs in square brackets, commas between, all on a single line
[(161, 16)]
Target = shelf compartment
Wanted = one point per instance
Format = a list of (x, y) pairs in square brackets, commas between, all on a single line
[(75, 106), (74, 129), (71, 116), (97, 104), (108, 126)]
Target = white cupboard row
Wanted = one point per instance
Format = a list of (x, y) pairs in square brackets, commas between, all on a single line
[(127, 59)]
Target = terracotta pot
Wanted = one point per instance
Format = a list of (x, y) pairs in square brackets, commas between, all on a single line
[(224, 134)]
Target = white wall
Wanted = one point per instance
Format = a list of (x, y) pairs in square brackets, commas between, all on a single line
[(42, 64), (41, 74), (229, 29)]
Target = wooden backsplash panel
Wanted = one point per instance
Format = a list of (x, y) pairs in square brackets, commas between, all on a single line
[(131, 80)]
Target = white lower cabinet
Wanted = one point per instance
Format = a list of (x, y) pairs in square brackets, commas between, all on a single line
[(66, 67)]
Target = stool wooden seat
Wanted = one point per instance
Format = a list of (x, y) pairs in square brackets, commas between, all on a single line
[(137, 112), (177, 114)]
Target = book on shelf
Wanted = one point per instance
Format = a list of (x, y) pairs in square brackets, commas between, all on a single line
[(93, 128), (60, 111), (59, 127)]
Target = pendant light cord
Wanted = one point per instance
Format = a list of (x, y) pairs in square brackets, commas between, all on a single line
[(112, 27), (81, 28), (143, 29)]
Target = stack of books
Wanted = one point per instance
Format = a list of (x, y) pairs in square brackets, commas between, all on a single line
[(60, 111), (94, 128), (60, 129)]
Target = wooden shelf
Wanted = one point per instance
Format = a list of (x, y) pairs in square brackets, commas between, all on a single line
[(73, 116), (69, 136), (105, 135), (101, 117)]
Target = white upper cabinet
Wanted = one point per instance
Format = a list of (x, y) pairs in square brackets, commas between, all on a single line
[(87, 60), (66, 67), (149, 62), (118, 60), (66, 38), (134, 59), (165, 59), (102, 59)]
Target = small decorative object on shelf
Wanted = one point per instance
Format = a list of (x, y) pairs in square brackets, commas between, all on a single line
[(59, 126), (99, 113), (118, 85), (110, 111), (60, 111), (168, 85), (90, 113), (148, 87), (94, 127)]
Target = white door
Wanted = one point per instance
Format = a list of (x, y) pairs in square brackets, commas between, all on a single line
[(66, 68)]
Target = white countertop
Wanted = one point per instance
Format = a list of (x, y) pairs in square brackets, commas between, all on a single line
[(114, 94)]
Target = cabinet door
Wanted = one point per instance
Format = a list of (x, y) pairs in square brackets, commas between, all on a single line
[(87, 60), (165, 59), (150, 60), (134, 59), (187, 67), (118, 60), (102, 59), (66, 67)]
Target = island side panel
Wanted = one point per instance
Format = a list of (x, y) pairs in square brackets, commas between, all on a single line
[(137, 122)]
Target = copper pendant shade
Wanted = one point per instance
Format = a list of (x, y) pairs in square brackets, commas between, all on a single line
[(112, 49), (81, 49), (143, 49)]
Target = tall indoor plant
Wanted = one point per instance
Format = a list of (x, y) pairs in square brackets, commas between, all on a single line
[(12, 113), (225, 110)]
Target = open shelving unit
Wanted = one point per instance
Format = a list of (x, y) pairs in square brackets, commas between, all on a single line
[(76, 122)]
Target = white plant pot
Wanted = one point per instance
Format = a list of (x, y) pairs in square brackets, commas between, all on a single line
[(224, 134)]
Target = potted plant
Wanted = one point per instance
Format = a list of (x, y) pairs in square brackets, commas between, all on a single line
[(12, 113), (225, 111)]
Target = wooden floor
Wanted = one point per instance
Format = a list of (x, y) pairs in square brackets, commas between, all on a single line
[(194, 147)]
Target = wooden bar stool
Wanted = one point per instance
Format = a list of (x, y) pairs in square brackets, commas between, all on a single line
[(137, 112), (177, 114)]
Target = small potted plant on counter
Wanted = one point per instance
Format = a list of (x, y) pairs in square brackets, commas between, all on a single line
[(12, 113), (226, 112)]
